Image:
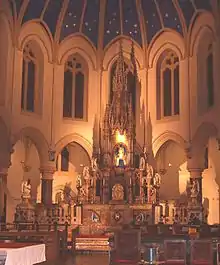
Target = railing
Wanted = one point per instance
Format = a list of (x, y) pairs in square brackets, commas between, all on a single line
[(34, 226)]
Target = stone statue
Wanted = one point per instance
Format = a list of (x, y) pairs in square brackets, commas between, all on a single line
[(142, 164), (94, 164), (157, 180), (194, 188), (26, 189), (79, 181), (86, 174), (150, 171), (117, 192), (120, 157)]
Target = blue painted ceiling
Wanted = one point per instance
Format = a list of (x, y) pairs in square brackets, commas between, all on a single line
[(102, 21)]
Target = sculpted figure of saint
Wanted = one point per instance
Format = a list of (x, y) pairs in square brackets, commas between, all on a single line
[(94, 164), (142, 164), (121, 157), (195, 189), (118, 192), (157, 179), (86, 174), (26, 189)]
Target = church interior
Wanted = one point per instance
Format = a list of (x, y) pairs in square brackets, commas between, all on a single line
[(109, 127)]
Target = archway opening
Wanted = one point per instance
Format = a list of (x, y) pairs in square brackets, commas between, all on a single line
[(171, 163), (69, 164), (211, 181), (25, 164)]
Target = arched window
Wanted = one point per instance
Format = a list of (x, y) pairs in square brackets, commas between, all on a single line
[(32, 78), (131, 82), (75, 89), (210, 77), (65, 159), (206, 158), (168, 85), (205, 73)]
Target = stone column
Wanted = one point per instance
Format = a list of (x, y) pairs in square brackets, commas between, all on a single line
[(47, 184), (195, 206), (3, 184)]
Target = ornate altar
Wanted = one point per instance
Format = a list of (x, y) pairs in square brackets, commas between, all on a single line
[(112, 191)]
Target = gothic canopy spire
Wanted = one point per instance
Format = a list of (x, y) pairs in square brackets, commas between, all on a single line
[(120, 78)]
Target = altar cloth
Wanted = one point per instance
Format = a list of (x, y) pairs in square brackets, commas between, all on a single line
[(21, 254)]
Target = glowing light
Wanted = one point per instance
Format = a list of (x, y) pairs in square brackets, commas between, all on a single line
[(120, 138)]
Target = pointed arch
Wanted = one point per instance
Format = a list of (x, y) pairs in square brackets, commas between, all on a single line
[(38, 139), (168, 136), (74, 138)]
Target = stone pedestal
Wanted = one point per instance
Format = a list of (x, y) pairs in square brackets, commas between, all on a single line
[(25, 212), (195, 207)]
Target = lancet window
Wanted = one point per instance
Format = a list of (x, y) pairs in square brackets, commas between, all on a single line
[(168, 85), (65, 159), (209, 77), (205, 74), (75, 88), (30, 91)]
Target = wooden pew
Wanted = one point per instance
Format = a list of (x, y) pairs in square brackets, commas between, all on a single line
[(126, 247)]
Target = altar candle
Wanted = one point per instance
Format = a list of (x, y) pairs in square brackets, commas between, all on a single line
[(130, 181)]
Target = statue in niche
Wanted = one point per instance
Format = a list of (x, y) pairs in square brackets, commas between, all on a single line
[(94, 164), (150, 171), (157, 180), (86, 174), (79, 181), (194, 189), (26, 189), (142, 164), (117, 192), (143, 160), (120, 156)]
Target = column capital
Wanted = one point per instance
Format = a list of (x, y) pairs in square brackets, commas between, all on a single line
[(195, 172), (47, 171)]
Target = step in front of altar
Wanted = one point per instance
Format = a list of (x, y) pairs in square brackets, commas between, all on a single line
[(92, 243)]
